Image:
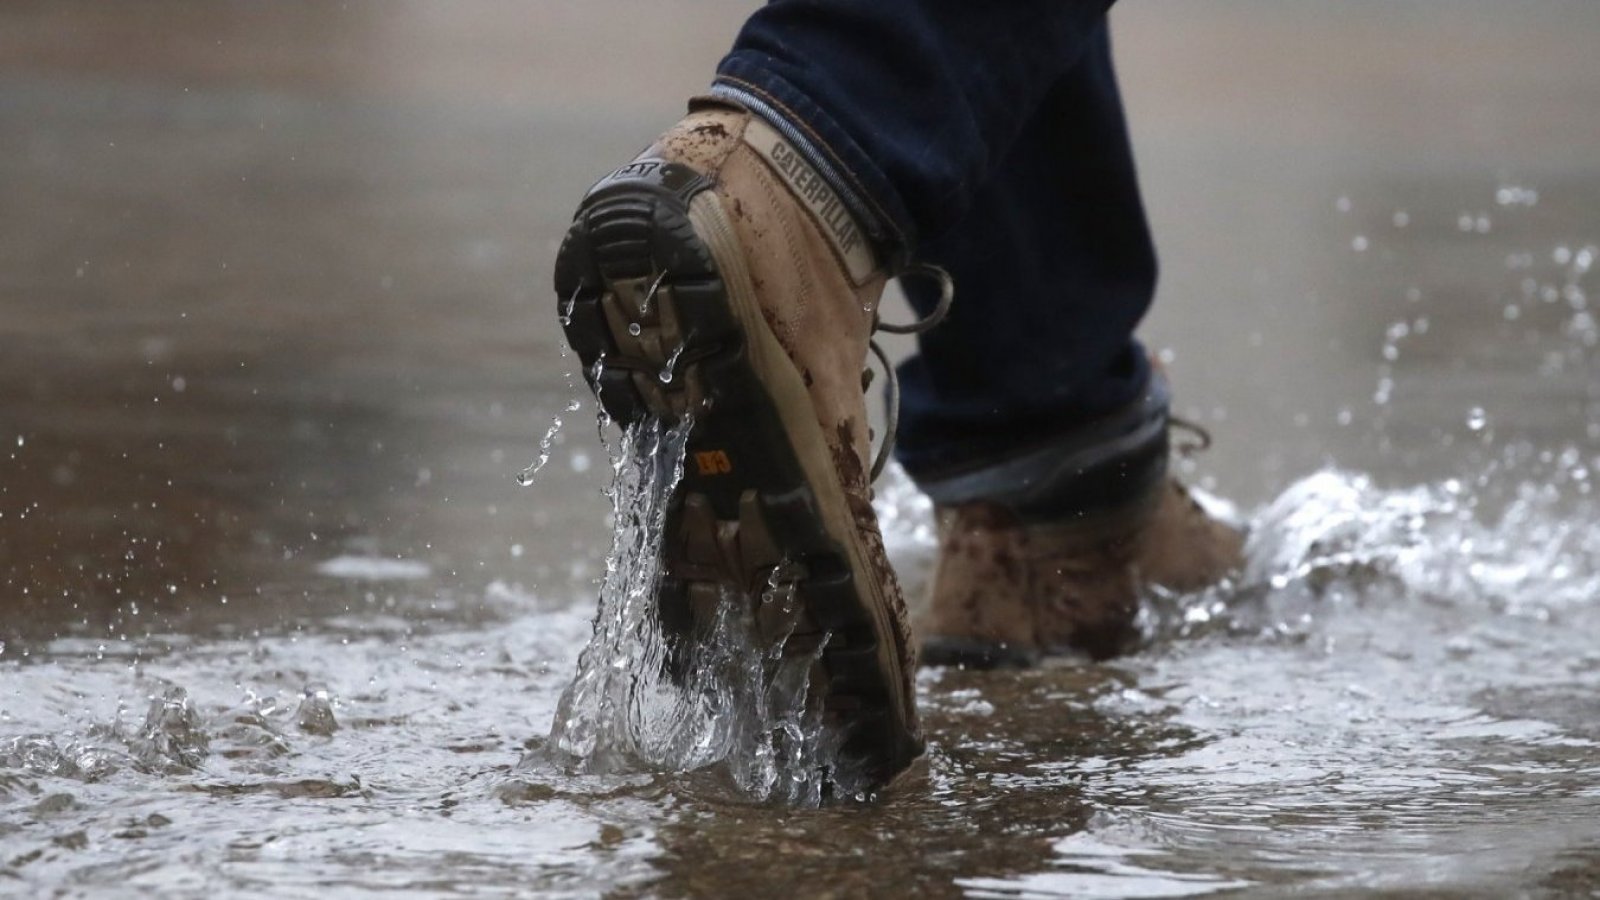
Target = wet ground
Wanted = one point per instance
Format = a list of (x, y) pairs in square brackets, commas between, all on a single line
[(275, 337)]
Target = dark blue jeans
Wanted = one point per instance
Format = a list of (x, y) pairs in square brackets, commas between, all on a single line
[(986, 137)]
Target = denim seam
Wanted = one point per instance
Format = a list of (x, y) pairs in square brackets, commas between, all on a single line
[(821, 155)]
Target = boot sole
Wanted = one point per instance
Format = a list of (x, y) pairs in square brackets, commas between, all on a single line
[(759, 504)]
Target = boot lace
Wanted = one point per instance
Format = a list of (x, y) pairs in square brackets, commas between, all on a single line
[(891, 417)]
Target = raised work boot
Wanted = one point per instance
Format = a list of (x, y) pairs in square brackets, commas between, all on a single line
[(1048, 552), (718, 277)]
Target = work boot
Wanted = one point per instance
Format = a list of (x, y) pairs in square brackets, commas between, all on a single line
[(1049, 552), (719, 278)]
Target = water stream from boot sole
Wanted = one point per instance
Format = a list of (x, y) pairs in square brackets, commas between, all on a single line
[(723, 699)]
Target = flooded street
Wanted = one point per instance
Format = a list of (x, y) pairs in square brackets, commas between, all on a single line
[(276, 339)]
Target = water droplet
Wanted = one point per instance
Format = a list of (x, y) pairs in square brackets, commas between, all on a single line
[(1514, 195), (672, 363), (1384, 393), (635, 329), (644, 304), (1477, 418), (1583, 261), (1359, 243), (1401, 218)]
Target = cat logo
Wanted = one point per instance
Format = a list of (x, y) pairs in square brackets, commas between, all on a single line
[(713, 462)]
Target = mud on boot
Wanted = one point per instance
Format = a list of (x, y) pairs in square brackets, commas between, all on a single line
[(1048, 552)]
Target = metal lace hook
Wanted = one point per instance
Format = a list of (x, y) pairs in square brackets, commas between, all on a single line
[(947, 296)]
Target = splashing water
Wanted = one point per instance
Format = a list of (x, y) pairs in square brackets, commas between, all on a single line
[(1335, 540), (602, 418), (526, 476), (175, 738), (729, 700), (591, 720)]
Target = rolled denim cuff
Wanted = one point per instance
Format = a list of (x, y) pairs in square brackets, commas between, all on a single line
[(743, 81), (1097, 468)]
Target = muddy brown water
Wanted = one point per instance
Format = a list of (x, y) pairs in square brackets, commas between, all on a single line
[(275, 339)]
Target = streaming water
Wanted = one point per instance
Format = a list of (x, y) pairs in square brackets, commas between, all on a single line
[(729, 701)]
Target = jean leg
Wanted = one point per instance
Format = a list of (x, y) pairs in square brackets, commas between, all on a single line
[(909, 106), (1054, 268)]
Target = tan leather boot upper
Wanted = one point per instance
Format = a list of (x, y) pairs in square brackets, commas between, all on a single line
[(1007, 592), (819, 290)]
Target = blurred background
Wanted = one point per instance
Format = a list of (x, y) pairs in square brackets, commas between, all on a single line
[(274, 277)]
